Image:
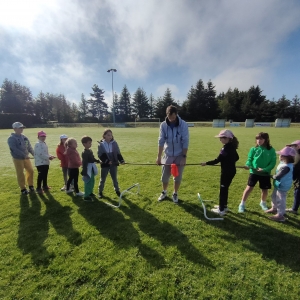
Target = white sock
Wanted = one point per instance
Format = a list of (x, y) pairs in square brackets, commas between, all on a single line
[(243, 202), (262, 201)]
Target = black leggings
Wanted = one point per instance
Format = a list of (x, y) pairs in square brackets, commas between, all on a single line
[(42, 176), (225, 182), (73, 175)]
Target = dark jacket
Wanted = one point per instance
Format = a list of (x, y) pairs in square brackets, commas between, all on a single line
[(114, 156), (296, 174), (87, 157), (228, 157)]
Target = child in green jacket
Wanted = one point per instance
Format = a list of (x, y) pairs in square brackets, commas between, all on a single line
[(261, 161)]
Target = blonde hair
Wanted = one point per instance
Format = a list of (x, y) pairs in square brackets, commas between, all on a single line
[(69, 142)]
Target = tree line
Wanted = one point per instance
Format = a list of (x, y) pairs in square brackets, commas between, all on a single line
[(202, 104)]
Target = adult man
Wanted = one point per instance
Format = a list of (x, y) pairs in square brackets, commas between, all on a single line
[(174, 141), (20, 148)]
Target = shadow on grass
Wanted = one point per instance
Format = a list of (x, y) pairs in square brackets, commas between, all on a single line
[(111, 224), (33, 230), (272, 243), (166, 233), (59, 217)]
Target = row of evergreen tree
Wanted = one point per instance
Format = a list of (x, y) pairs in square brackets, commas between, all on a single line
[(201, 104)]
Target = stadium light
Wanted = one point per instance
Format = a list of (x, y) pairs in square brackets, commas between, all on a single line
[(112, 88)]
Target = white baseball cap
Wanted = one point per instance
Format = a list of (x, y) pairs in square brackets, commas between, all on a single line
[(18, 125), (63, 136)]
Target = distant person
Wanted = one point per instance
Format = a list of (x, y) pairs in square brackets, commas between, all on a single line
[(261, 161), (20, 148), (74, 162), (89, 168), (296, 178), (283, 180), (60, 153), (228, 157), (174, 142), (110, 156), (42, 161)]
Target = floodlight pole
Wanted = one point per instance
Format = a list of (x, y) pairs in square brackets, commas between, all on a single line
[(112, 89)]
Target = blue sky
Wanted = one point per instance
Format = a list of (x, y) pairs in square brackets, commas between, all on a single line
[(66, 46)]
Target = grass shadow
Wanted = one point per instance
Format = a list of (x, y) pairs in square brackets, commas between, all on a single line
[(59, 217), (164, 232), (268, 241), (33, 230), (112, 225)]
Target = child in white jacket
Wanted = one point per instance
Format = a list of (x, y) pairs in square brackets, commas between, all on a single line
[(42, 161)]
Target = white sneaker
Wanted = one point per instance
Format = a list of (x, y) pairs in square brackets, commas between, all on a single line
[(80, 194), (63, 188), (217, 211), (226, 209), (162, 196), (175, 198), (69, 191)]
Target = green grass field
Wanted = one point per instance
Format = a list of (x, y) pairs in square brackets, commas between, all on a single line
[(56, 246)]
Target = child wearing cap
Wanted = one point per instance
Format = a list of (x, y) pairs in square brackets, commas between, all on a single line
[(42, 161), (60, 153), (283, 180), (228, 157), (296, 178), (20, 148), (261, 161)]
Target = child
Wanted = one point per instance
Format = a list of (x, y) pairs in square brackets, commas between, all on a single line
[(60, 152), (261, 161), (74, 162), (282, 183), (110, 156), (20, 148), (227, 157), (42, 161), (296, 178), (89, 169)]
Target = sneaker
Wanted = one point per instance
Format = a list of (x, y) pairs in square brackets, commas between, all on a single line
[(242, 208), (88, 199), (118, 193), (162, 196), (31, 188), (226, 209), (290, 210), (24, 192), (217, 211), (92, 195), (271, 211), (69, 191), (80, 194), (277, 218), (63, 188), (39, 191), (263, 205), (175, 198), (100, 195), (46, 188)]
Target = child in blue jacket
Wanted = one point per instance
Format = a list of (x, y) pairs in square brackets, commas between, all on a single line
[(283, 181)]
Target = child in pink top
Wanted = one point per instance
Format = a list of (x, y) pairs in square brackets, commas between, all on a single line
[(74, 162), (60, 153)]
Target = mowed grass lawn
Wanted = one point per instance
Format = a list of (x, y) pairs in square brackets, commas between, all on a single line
[(56, 246)]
